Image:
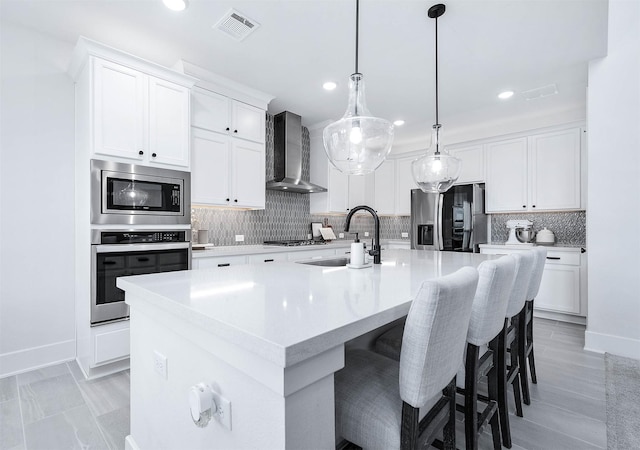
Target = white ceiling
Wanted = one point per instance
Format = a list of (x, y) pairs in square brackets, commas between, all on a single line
[(484, 48)]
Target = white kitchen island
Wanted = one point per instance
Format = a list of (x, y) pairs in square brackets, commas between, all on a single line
[(268, 338)]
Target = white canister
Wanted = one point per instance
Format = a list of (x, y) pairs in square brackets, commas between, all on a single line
[(545, 237), (357, 254)]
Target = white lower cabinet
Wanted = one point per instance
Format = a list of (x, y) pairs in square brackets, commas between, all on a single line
[(563, 286), (218, 261)]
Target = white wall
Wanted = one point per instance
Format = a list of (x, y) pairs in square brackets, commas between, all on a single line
[(37, 325), (613, 215)]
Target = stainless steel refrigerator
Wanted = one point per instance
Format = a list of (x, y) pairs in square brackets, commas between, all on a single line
[(453, 221)]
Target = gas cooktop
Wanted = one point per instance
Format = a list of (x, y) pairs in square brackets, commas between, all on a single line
[(294, 242)]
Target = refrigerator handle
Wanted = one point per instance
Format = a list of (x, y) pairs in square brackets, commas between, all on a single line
[(440, 199)]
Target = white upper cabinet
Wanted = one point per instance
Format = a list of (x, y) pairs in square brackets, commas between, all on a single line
[(138, 116), (128, 109), (221, 114), (404, 185), (506, 187), (472, 158), (554, 170), (227, 171), (536, 173), (385, 188)]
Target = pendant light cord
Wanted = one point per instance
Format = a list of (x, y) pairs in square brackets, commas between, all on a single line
[(437, 121), (357, 30)]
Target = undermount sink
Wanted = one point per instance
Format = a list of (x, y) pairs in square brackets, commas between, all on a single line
[(333, 262)]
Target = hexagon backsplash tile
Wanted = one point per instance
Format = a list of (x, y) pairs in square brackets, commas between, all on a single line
[(569, 227)]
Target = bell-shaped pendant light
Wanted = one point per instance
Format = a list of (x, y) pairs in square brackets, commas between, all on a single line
[(358, 143), (437, 170)]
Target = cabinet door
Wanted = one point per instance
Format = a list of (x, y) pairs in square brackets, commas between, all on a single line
[(118, 111), (248, 174), (210, 111), (360, 190), (404, 184), (168, 123), (247, 121), (472, 164), (559, 289), (211, 167), (554, 170), (506, 184), (338, 190), (384, 188)]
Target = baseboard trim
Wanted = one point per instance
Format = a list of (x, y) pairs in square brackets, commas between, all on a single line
[(616, 345), (33, 358), (561, 317)]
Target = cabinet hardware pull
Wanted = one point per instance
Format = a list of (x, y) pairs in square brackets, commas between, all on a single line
[(227, 129), (143, 259), (553, 257), (533, 206), (236, 200), (268, 260), (524, 206), (153, 155), (224, 265), (108, 263), (235, 131), (140, 152), (227, 199)]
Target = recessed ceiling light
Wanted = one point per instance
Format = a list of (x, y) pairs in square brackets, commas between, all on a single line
[(505, 95), (175, 5), (329, 86), (398, 123)]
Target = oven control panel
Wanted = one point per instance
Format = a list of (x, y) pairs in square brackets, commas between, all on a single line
[(141, 237)]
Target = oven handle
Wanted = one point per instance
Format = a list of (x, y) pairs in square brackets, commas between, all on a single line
[(114, 248)]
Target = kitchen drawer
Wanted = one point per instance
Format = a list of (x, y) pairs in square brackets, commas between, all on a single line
[(111, 345), (220, 261), (572, 259), (267, 257)]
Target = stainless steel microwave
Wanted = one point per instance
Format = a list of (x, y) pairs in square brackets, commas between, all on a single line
[(129, 194)]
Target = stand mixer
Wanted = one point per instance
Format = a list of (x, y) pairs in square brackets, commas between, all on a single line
[(520, 232)]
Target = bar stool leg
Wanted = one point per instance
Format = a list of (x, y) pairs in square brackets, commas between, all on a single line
[(499, 346), (532, 362), (449, 432), (471, 398), (522, 354)]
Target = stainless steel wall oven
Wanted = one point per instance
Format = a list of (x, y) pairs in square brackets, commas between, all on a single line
[(129, 194), (116, 253)]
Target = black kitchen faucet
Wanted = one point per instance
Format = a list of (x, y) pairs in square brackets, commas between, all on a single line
[(376, 250)]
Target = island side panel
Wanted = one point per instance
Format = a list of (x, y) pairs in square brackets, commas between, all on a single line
[(291, 416)]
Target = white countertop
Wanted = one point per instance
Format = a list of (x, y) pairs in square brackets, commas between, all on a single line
[(232, 250), (555, 248), (287, 311)]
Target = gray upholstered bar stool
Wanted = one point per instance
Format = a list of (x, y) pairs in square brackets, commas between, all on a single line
[(525, 347), (486, 326), (513, 319), (382, 403)]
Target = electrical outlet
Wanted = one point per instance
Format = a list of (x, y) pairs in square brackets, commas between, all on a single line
[(341, 235), (366, 234), (309, 236), (239, 237), (404, 234), (223, 413), (160, 364)]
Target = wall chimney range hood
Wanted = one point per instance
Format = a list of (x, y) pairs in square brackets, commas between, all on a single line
[(287, 158)]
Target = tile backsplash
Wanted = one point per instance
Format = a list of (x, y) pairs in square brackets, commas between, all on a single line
[(286, 214), (569, 227)]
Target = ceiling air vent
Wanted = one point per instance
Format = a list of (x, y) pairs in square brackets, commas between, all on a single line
[(236, 25), (540, 92)]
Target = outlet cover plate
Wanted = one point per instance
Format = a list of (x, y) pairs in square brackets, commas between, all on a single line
[(160, 364)]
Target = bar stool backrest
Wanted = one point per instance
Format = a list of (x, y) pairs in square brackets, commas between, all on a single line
[(434, 335), (490, 302), (524, 270), (540, 257)]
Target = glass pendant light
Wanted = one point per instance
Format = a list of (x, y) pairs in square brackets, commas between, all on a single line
[(437, 170), (358, 143)]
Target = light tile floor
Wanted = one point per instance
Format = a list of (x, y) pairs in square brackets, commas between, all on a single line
[(57, 409)]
